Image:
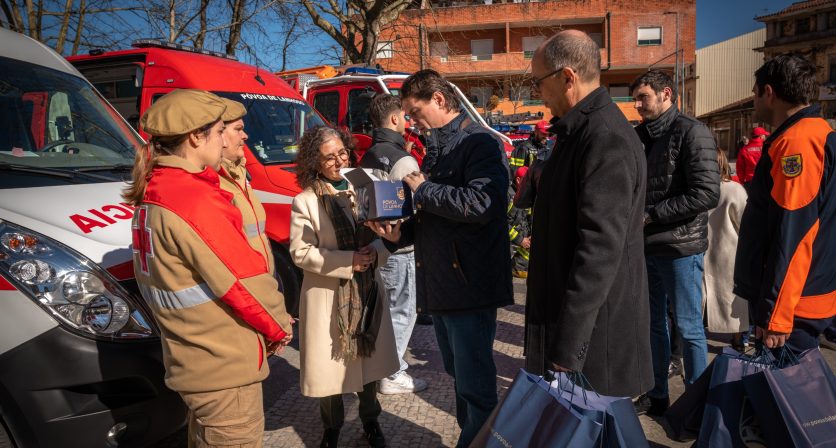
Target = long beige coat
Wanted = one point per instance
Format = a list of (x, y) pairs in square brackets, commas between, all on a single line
[(313, 247), (727, 313)]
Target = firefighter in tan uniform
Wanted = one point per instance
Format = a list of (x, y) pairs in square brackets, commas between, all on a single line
[(233, 174), (218, 307)]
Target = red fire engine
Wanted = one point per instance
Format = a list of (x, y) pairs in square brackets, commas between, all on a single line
[(277, 116)]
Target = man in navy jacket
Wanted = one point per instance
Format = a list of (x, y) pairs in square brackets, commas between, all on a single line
[(460, 232)]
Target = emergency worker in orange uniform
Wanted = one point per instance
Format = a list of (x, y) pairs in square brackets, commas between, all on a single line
[(218, 307), (786, 255)]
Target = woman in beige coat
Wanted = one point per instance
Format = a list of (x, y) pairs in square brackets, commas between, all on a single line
[(345, 332), (726, 312)]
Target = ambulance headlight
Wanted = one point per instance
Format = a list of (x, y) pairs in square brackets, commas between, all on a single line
[(80, 294)]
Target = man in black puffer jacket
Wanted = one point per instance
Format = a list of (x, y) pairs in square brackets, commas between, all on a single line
[(683, 183)]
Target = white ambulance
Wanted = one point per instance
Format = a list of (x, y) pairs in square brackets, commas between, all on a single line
[(80, 356)]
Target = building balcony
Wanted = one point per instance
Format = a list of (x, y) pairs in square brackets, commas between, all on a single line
[(482, 14), (818, 37), (513, 63)]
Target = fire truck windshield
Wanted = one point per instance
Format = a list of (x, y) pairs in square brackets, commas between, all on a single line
[(274, 124), (53, 119)]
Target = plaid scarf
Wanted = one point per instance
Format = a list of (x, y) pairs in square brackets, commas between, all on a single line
[(358, 312)]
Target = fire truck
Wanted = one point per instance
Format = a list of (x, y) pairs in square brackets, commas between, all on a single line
[(277, 116), (343, 99)]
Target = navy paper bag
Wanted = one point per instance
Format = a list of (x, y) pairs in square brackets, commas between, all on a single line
[(729, 420), (685, 414), (805, 395), (528, 415), (617, 415)]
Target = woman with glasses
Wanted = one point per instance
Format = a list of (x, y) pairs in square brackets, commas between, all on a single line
[(346, 339)]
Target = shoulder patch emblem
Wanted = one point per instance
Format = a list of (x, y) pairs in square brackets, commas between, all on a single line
[(791, 165)]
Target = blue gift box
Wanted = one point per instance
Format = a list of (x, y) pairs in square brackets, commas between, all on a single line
[(379, 200)]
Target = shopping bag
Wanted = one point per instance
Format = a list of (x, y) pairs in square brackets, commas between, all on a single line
[(729, 421), (528, 415), (617, 415), (685, 414), (805, 395)]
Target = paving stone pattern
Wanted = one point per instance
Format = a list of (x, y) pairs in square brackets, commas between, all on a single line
[(425, 419)]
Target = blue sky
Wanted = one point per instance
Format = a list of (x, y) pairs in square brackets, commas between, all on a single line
[(718, 20)]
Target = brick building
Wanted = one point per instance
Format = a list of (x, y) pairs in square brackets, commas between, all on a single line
[(485, 46), (809, 28)]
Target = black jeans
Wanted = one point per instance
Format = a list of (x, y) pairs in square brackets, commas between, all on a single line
[(466, 344), (333, 413)]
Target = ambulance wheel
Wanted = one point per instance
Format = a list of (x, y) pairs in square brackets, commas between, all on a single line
[(5, 440), (288, 276)]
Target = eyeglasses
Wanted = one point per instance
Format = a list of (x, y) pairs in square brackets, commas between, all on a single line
[(331, 160), (535, 82)]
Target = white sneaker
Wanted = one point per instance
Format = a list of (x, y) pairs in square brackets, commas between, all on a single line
[(401, 383)]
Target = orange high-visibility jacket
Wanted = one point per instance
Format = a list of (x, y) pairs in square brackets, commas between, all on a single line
[(786, 254)]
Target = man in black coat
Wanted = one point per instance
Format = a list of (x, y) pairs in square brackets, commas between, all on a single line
[(587, 304), (683, 183), (460, 232)]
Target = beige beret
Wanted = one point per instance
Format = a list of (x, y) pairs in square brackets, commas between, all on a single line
[(234, 110), (182, 111)]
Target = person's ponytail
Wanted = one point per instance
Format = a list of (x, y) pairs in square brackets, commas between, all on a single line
[(146, 159), (144, 162)]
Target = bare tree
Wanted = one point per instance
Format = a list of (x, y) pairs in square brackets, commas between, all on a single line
[(13, 18), (235, 25), (79, 26), (73, 26), (200, 37), (360, 23), (65, 24)]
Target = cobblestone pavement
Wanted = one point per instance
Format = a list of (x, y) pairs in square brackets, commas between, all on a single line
[(425, 419)]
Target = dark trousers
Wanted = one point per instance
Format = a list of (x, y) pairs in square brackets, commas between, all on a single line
[(466, 344), (333, 413), (830, 333), (805, 334)]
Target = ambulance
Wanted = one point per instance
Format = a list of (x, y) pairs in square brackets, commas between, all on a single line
[(277, 116), (80, 355)]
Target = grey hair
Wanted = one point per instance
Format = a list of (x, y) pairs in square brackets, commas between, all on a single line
[(574, 49)]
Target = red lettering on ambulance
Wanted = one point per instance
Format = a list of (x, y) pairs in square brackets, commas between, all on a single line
[(101, 215), (125, 213), (86, 224)]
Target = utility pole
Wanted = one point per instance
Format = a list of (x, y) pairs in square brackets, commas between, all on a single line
[(676, 65), (677, 73), (421, 45)]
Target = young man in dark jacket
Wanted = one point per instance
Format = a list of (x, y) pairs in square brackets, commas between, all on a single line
[(683, 183), (389, 159), (586, 306), (460, 232), (785, 263)]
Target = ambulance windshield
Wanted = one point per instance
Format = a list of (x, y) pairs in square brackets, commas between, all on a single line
[(52, 119), (275, 125)]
